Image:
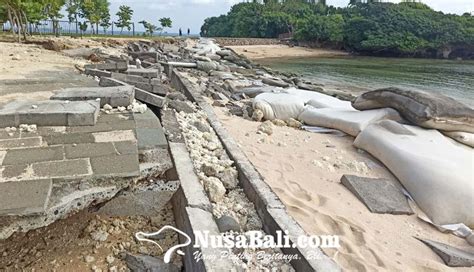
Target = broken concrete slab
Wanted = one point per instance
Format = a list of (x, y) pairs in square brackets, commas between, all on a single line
[(111, 82), (120, 96), (146, 73), (146, 200), (24, 197), (97, 73), (451, 256), (379, 195), (149, 98), (49, 113)]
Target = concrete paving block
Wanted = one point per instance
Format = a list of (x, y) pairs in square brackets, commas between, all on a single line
[(20, 143), (146, 73), (97, 73), (120, 96), (451, 256), (149, 98), (24, 197), (146, 120), (116, 166), (50, 113), (126, 147), (68, 138), (32, 155), (379, 195), (62, 169), (160, 88), (114, 136), (149, 138), (89, 150)]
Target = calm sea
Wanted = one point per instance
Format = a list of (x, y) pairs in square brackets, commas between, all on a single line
[(358, 74)]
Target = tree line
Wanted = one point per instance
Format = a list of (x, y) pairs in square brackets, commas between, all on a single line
[(405, 29), (93, 13)]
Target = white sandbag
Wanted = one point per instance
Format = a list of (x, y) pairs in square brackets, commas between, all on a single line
[(437, 172), (349, 121), (279, 105), (319, 100), (462, 137)]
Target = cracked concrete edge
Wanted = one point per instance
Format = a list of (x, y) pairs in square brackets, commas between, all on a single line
[(269, 206), (193, 212)]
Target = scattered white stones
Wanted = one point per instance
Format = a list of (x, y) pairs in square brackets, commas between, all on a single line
[(99, 235), (28, 128), (266, 127), (89, 259), (16, 57), (107, 107), (215, 189), (136, 107), (294, 123)]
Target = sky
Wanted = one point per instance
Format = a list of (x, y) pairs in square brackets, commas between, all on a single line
[(191, 13)]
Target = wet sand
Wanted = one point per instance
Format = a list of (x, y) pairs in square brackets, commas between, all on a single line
[(255, 52)]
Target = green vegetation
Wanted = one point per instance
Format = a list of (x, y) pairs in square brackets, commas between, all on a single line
[(149, 28), (124, 14), (165, 22), (404, 29)]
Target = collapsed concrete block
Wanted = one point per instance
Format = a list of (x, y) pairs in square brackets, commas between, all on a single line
[(113, 66), (97, 73), (111, 82), (49, 113), (146, 73), (24, 197), (149, 98), (120, 96)]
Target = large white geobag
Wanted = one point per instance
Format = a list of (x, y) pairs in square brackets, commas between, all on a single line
[(319, 100), (437, 172), (351, 122), (279, 105)]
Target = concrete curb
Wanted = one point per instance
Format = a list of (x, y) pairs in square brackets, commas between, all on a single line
[(269, 207)]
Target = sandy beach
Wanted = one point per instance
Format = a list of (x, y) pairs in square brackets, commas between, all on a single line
[(305, 169), (255, 52)]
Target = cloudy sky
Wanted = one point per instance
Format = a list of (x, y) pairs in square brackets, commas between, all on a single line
[(191, 13)]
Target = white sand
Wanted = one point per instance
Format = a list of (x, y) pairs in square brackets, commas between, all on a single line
[(279, 50), (299, 167)]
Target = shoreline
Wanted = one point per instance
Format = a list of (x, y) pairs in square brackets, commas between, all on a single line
[(258, 52)]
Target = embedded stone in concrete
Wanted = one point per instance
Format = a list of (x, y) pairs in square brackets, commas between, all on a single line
[(148, 263), (149, 98), (89, 150), (20, 143), (379, 195), (49, 113), (120, 96), (116, 166), (146, 73), (62, 169), (32, 155), (97, 73), (451, 256), (24, 197)]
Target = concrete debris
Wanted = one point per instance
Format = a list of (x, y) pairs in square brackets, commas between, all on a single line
[(451, 256), (141, 263), (227, 223)]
